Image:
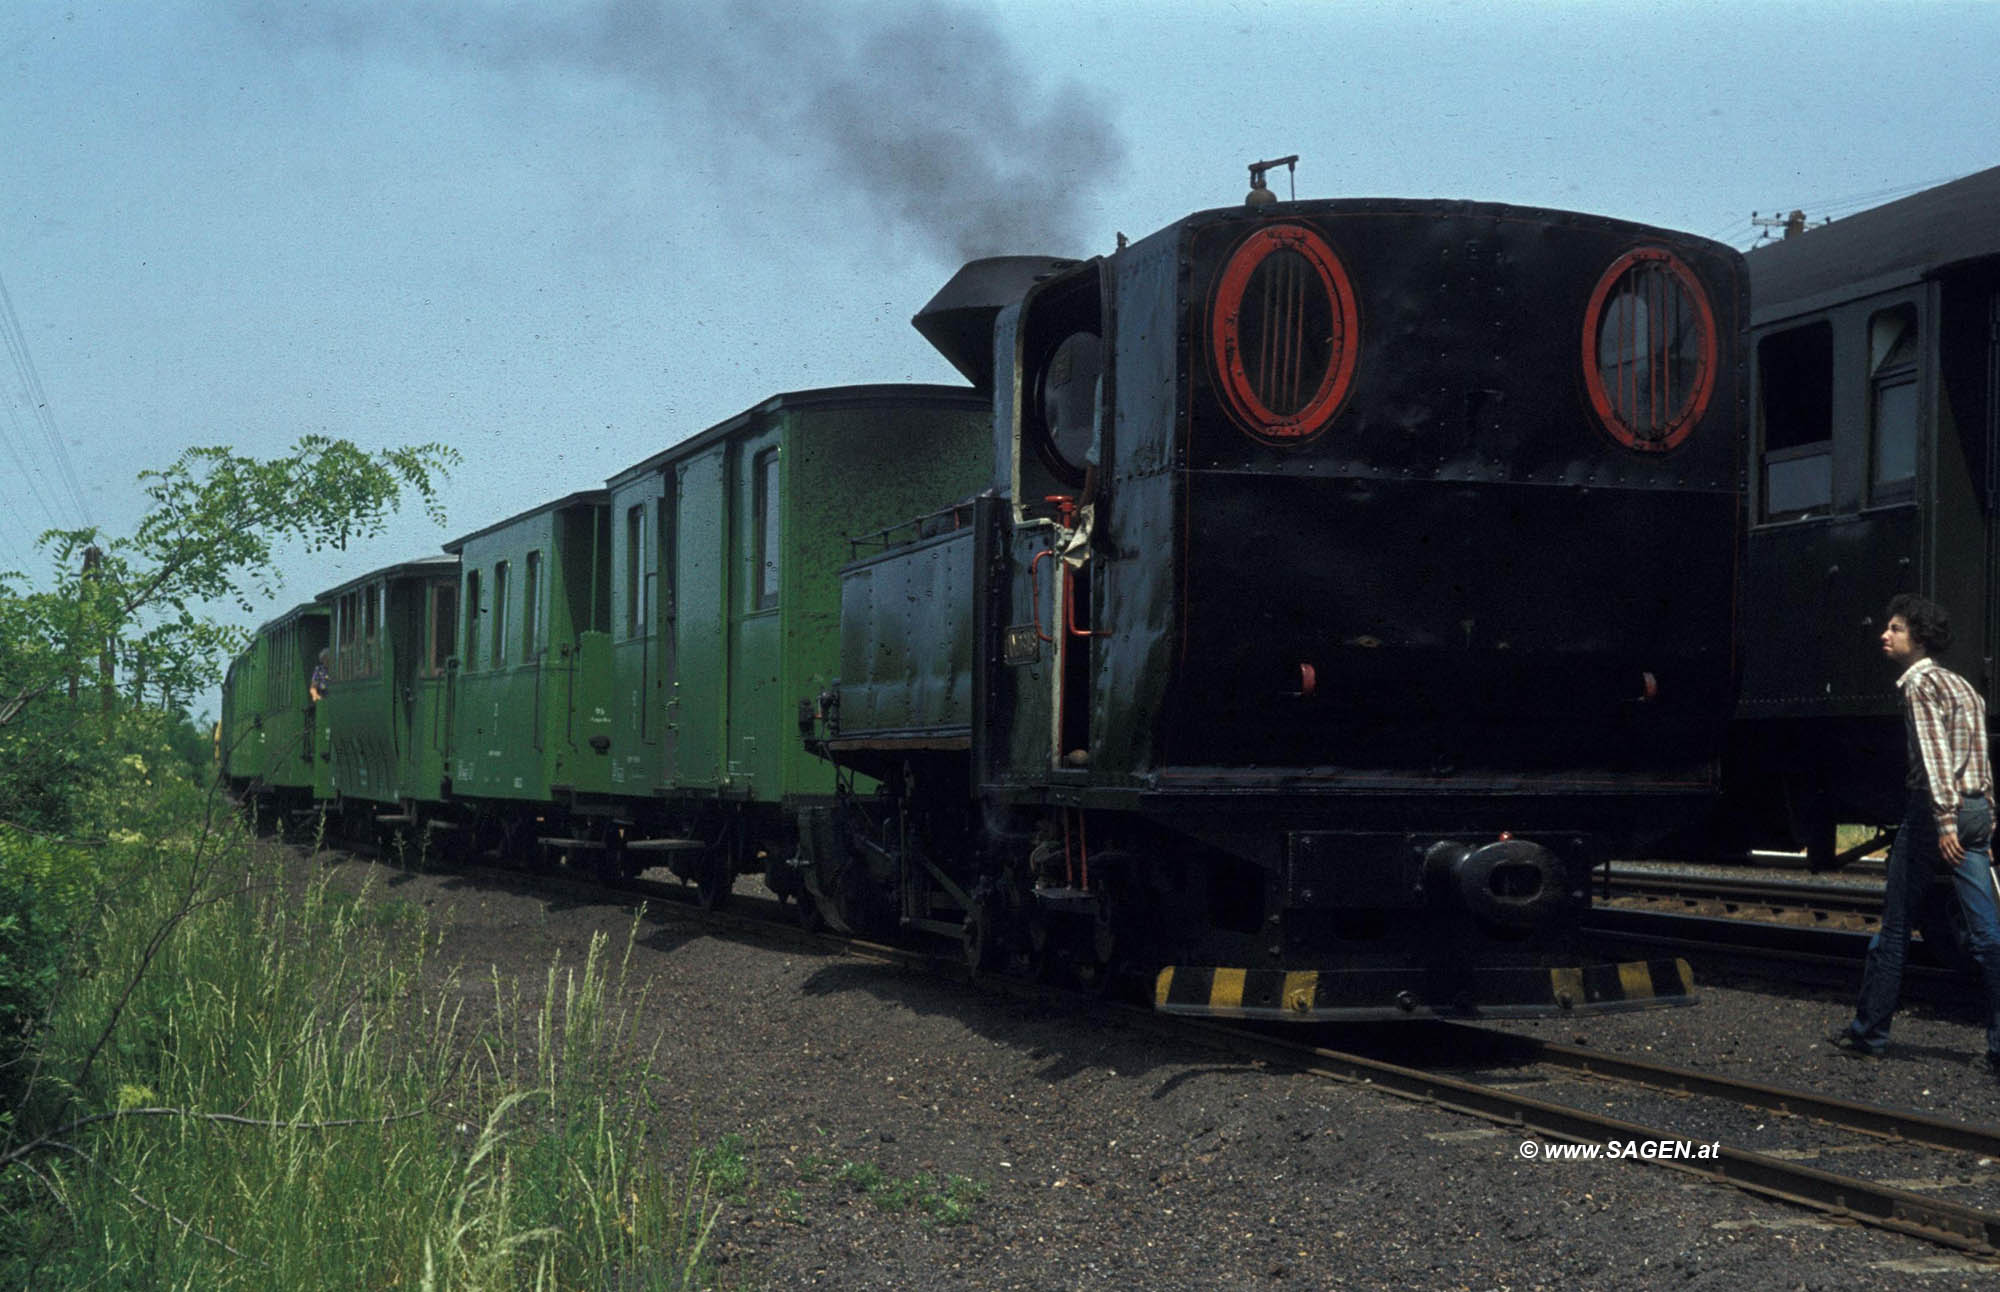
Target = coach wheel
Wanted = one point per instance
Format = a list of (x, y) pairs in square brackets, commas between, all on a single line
[(717, 877)]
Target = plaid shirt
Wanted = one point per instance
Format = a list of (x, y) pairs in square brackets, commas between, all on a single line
[(1945, 721)]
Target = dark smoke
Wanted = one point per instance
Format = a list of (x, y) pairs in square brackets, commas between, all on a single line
[(920, 110)]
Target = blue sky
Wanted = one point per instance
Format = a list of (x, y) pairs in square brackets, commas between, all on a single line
[(561, 236)]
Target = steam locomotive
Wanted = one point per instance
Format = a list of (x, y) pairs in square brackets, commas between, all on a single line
[(1295, 606)]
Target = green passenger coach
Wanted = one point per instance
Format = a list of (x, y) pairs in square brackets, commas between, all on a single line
[(725, 604), (384, 713), (530, 706), (269, 728)]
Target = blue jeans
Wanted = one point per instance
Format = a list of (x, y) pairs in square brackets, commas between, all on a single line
[(1912, 861)]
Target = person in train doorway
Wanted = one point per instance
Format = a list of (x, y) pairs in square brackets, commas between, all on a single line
[(1948, 819), (316, 687)]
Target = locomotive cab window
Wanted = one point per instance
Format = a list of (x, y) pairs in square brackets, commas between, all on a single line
[(1892, 405), (1795, 380), (1061, 422), (1649, 350)]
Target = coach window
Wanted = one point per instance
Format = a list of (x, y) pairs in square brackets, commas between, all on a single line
[(472, 618), (499, 613), (348, 612), (767, 508), (1795, 378), (371, 645), (531, 607), (444, 624), (1892, 405), (635, 565)]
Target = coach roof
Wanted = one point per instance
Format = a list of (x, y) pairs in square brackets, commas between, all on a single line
[(1876, 249), (825, 397)]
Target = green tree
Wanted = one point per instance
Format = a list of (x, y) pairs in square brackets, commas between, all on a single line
[(76, 759), (216, 525)]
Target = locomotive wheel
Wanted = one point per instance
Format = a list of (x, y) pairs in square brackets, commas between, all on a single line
[(1045, 949), (981, 941), (811, 918)]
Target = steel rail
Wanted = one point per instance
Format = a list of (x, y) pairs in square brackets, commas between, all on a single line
[(1869, 1119), (1844, 1197), (1779, 894)]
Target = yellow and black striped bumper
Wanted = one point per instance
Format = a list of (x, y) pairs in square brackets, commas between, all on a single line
[(1501, 992)]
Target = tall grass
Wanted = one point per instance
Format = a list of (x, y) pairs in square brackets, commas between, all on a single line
[(283, 1102)]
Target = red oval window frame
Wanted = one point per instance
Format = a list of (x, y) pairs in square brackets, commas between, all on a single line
[(1225, 328), (1593, 377)]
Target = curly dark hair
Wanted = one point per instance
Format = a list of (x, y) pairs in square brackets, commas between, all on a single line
[(1930, 626)]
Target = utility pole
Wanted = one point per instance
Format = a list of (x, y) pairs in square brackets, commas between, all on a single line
[(107, 681)]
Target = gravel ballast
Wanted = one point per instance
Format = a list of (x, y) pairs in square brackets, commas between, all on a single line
[(902, 1130)]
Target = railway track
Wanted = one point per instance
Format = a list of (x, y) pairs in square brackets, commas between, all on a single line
[(1805, 925), (1476, 1070)]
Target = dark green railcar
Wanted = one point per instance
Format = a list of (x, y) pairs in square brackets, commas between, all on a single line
[(392, 633), (725, 603), (269, 722), (530, 703)]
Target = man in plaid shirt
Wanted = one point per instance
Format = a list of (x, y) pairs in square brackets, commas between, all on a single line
[(1949, 818)]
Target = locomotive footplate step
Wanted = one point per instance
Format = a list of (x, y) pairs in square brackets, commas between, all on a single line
[(1501, 992)]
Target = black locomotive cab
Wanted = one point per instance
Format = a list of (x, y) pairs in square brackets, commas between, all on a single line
[(1353, 576)]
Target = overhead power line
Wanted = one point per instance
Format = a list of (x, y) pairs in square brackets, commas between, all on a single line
[(38, 404)]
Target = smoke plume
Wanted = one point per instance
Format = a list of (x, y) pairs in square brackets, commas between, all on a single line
[(920, 110)]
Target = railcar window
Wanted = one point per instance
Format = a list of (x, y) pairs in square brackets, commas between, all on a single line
[(371, 636), (531, 607), (347, 653), (499, 612), (1892, 353), (1795, 381), (472, 618), (766, 481), (444, 624)]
